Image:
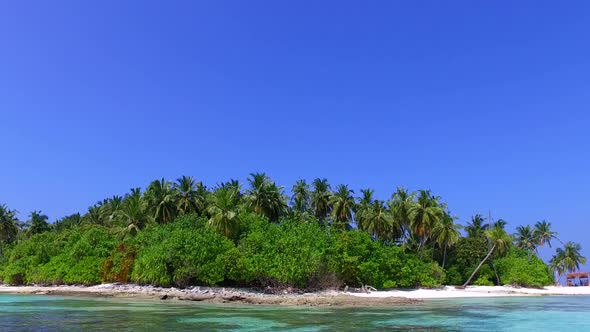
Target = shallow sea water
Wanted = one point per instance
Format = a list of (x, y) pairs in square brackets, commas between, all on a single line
[(52, 313)]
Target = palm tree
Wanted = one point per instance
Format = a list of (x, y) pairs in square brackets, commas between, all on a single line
[(500, 223), (8, 225), (161, 201), (380, 223), (320, 199), (477, 226), (524, 239), (446, 234), (500, 241), (38, 223), (362, 210), (556, 263), (424, 216), (67, 222), (343, 205), (223, 210), (400, 205), (543, 233), (186, 200), (301, 197), (134, 215), (567, 259), (93, 216), (265, 198)]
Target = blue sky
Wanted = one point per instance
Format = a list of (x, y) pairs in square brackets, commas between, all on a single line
[(484, 103)]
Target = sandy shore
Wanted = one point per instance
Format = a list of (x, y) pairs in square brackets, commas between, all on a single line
[(476, 291), (212, 295), (326, 298)]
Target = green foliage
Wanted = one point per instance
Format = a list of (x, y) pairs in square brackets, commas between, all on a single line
[(180, 254), (183, 234), (286, 254), (521, 269), (27, 257), (483, 280), (80, 260), (356, 259), (72, 257)]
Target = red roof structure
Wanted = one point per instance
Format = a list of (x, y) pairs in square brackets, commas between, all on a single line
[(577, 278)]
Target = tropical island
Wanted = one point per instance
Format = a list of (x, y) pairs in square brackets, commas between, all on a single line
[(182, 234)]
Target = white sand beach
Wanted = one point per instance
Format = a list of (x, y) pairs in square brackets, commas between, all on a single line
[(232, 295), (476, 291)]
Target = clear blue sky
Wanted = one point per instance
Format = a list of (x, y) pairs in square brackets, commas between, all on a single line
[(485, 104)]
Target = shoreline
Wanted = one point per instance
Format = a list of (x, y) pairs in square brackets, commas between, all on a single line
[(216, 295)]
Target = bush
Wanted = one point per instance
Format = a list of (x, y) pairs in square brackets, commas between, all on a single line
[(519, 269), (181, 254), (286, 254)]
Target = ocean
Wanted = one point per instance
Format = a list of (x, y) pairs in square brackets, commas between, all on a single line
[(53, 313)]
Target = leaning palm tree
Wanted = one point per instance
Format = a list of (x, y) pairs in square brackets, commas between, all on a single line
[(343, 205), (161, 201), (524, 239), (8, 225), (223, 210), (320, 199), (446, 234), (424, 216), (499, 240), (543, 233)]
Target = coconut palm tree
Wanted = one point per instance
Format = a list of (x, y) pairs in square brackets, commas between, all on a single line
[(8, 225), (524, 239), (223, 210), (573, 256), (400, 205), (265, 198), (37, 223), (424, 216), (363, 207), (477, 226), (343, 205), (567, 259), (134, 215), (320, 199), (446, 234), (379, 222), (161, 201), (500, 223), (543, 233), (93, 216), (499, 240), (300, 200), (556, 263), (187, 200), (67, 222)]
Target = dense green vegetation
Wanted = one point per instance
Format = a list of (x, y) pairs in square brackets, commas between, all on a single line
[(182, 233)]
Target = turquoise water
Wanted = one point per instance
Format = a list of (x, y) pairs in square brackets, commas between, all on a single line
[(49, 313)]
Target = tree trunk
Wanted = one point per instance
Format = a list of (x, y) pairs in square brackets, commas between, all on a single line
[(496, 272), (444, 257), (479, 266)]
